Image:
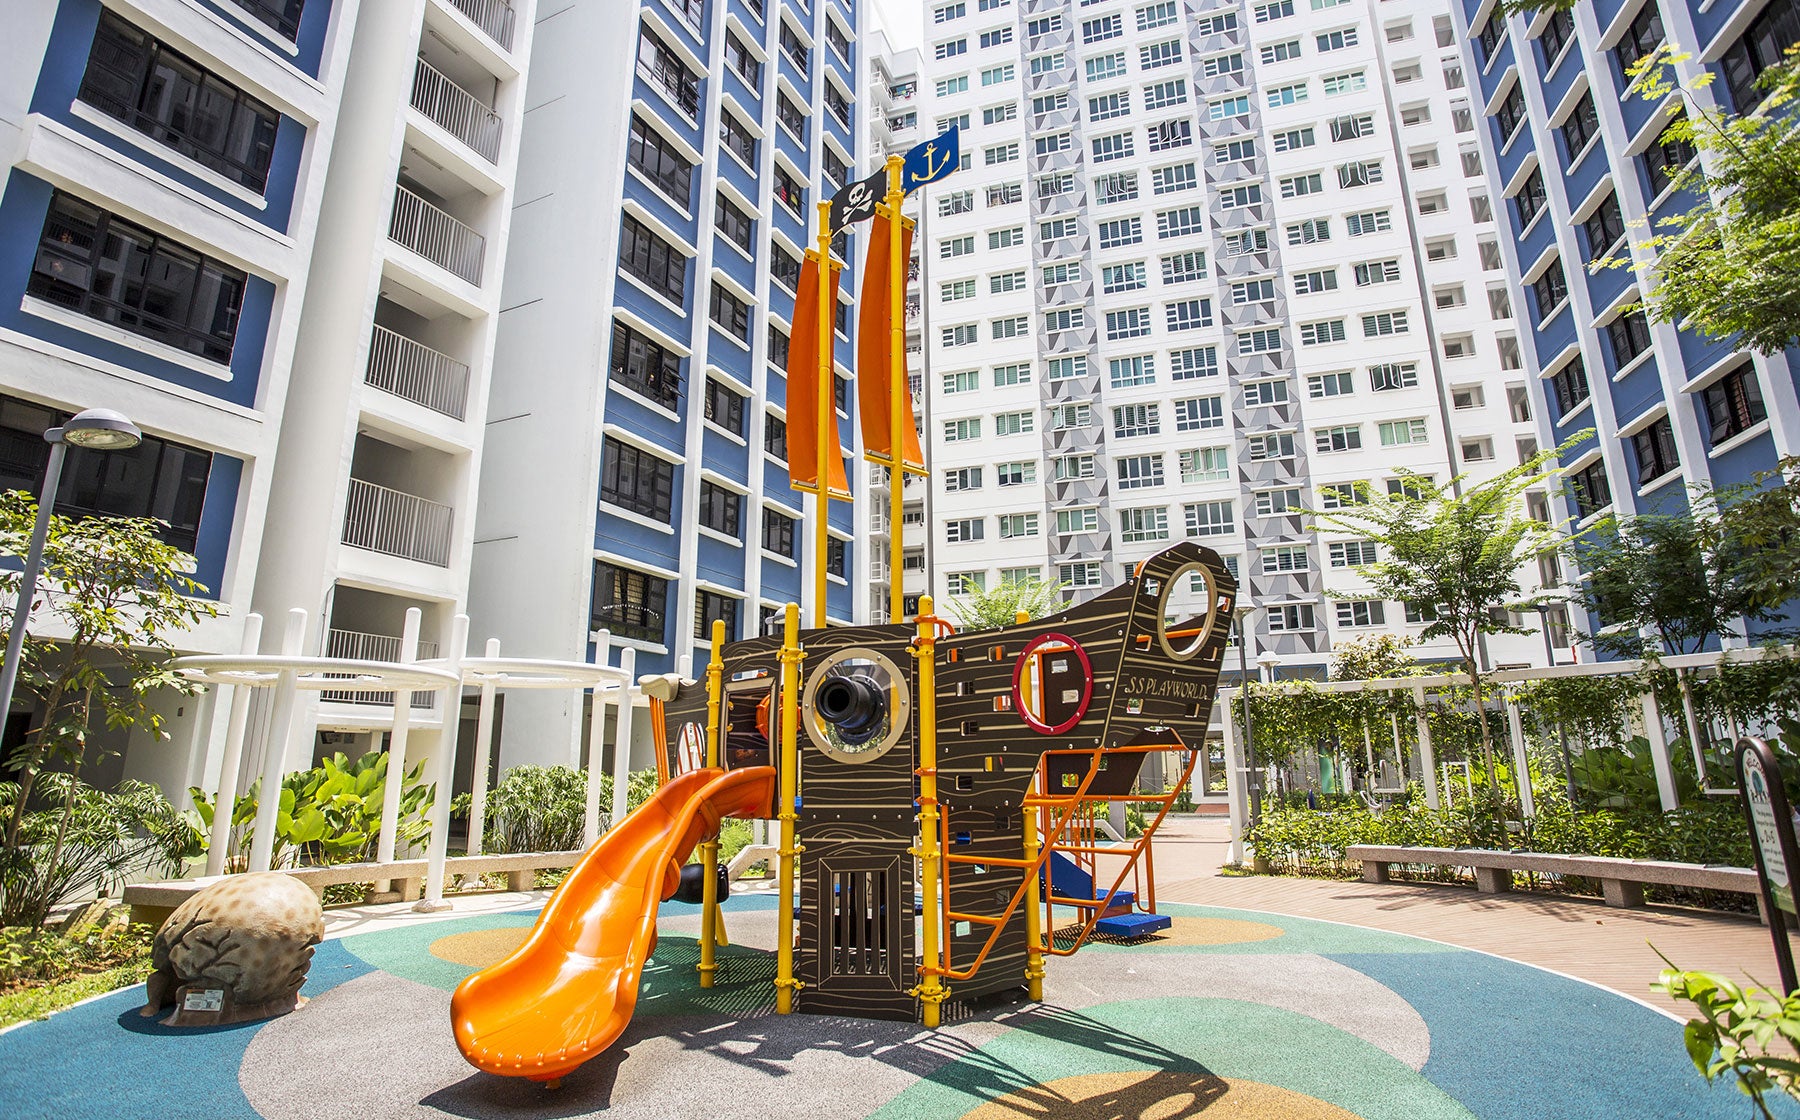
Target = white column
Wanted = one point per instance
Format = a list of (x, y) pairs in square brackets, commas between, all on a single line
[(281, 735), (1515, 727), (396, 752), (602, 654), (484, 750), (622, 735), (1427, 757), (446, 771), (1237, 784), (1659, 752), (225, 793), (596, 766), (1693, 725)]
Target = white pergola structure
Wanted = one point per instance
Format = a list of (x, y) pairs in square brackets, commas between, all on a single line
[(1504, 682), (289, 672)]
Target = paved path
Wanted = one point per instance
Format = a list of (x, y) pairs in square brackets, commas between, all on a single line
[(1579, 937)]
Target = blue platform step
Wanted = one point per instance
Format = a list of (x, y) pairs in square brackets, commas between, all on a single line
[(1068, 880), (1132, 925)]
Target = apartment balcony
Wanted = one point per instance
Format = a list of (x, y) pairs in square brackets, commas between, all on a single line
[(456, 111), (395, 523), (360, 646), (415, 372), (494, 17), (435, 235)]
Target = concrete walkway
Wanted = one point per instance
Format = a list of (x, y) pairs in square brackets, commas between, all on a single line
[(1614, 948)]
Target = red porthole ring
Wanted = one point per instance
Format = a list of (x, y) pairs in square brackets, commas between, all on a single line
[(1087, 683)]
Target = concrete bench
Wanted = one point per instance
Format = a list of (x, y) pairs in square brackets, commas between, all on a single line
[(152, 903), (1622, 881)]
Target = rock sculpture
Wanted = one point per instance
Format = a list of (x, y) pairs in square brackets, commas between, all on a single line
[(237, 950)]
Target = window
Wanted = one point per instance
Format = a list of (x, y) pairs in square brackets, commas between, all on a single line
[(627, 603), (1310, 283), (737, 226), (157, 478), (1582, 125), (1229, 107), (1759, 47), (1000, 153), (778, 533), (1197, 414), (1270, 12), (634, 479), (1734, 403), (1400, 433), (965, 529), (1336, 84), (1005, 194), (1360, 612), (951, 49), (956, 247), (1121, 231), (123, 274), (1344, 437), (1006, 238), (1233, 151), (1351, 554), (1655, 450), (1180, 223), (1016, 374), (1117, 146), (724, 406), (1252, 291), (1015, 474), (1434, 203), (1060, 182), (1629, 335), (1280, 52), (793, 118), (1550, 290), (1283, 558), (1571, 385), (174, 101), (657, 160), (1156, 15), (962, 334), (1119, 186), (1294, 139), (1643, 35), (949, 12), (1377, 272), (1323, 385), (950, 86), (1665, 158), (736, 137), (1150, 523), (965, 583), (1200, 361), (1013, 423), (720, 509), (1137, 370), (1604, 227), (1372, 221), (1299, 186), (1291, 94), (1048, 63), (1221, 66), (1290, 617), (1018, 525), (966, 381), (1133, 322), (1310, 232), (791, 194), (665, 69), (1352, 127), (1270, 445), (1249, 241), (1072, 468), (1589, 488), (1105, 66), (1157, 55), (945, 124), (1000, 114), (1208, 519), (1342, 495), (644, 366), (1168, 135), (1102, 29), (1164, 94), (1136, 472), (1393, 375), (1044, 25), (775, 437), (1061, 369), (1085, 573), (959, 431), (1063, 319), (956, 290), (1169, 180), (1057, 102), (1135, 420), (1359, 174), (997, 75), (1278, 502), (1122, 277), (1082, 519), (1259, 342), (998, 37), (1188, 315), (1206, 464), (1558, 30), (1320, 333)]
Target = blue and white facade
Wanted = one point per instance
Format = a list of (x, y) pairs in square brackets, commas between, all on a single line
[(1582, 165), (166, 165), (635, 479)]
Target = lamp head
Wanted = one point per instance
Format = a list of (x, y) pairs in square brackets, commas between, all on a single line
[(101, 429)]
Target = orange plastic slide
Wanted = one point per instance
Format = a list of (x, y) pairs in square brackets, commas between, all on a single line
[(568, 992)]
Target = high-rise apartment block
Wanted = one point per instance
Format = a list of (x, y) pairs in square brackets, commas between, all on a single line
[(1207, 265), (635, 480), (1582, 165)]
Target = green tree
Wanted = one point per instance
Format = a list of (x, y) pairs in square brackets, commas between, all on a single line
[(1761, 523), (1001, 606), (1372, 657), (1455, 555), (116, 595)]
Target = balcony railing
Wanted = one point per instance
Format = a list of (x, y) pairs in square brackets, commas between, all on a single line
[(436, 236), (495, 17), (397, 523), (456, 110), (373, 647), (415, 372)]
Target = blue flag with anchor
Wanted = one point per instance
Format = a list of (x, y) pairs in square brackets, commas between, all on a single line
[(932, 160)]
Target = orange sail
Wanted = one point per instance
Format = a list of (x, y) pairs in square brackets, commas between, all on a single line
[(874, 349), (803, 389)]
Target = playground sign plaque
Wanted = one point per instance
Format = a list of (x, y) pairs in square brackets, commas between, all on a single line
[(1772, 835)]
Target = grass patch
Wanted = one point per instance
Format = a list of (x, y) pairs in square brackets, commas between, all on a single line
[(38, 1002)]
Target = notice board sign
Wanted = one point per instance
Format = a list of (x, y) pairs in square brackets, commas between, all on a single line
[(1772, 838)]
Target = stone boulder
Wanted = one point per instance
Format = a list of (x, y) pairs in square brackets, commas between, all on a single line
[(237, 950)]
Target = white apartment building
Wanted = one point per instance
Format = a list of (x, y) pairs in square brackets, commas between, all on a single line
[(1203, 264)]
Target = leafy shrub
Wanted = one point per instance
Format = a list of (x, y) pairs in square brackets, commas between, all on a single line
[(543, 808), (33, 957), (1744, 1032), (330, 813)]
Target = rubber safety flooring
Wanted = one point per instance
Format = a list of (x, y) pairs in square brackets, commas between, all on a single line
[(1230, 1013)]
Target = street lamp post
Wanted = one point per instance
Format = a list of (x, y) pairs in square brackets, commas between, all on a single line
[(97, 429), (1243, 616)]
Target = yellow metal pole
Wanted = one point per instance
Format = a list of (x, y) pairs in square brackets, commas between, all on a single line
[(897, 387), (931, 991), (709, 849), (1034, 917), (827, 443), (791, 657)]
